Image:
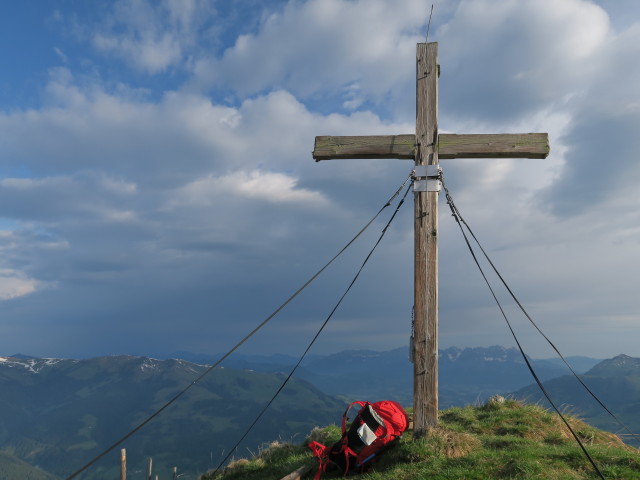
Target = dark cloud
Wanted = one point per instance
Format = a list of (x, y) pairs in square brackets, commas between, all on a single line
[(602, 157)]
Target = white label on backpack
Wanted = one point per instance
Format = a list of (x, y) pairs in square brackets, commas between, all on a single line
[(366, 434)]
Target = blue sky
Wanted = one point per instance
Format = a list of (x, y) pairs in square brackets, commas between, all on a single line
[(157, 191)]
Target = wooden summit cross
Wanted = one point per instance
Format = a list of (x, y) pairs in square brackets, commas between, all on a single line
[(425, 148)]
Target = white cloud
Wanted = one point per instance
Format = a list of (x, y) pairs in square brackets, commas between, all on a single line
[(61, 55), (602, 143), (173, 141), (506, 58), (14, 284), (269, 186), (323, 46), (149, 53), (151, 36), (118, 186), (130, 188)]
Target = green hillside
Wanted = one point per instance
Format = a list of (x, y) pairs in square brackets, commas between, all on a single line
[(58, 414), (507, 440), (13, 468), (615, 381)]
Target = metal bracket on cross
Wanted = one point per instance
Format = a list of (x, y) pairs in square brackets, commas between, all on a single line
[(427, 184), (427, 178)]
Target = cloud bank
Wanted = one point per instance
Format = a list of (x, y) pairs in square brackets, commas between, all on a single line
[(160, 195)]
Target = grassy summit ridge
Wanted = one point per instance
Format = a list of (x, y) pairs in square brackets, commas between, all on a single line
[(509, 440)]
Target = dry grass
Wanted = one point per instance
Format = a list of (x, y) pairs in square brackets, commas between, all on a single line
[(236, 465), (452, 444)]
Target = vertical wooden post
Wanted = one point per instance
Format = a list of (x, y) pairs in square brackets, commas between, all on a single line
[(175, 473), (149, 468), (123, 464), (425, 147), (425, 387)]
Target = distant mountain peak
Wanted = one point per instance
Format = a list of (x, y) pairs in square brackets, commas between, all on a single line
[(620, 365), (495, 353), (21, 356), (622, 356)]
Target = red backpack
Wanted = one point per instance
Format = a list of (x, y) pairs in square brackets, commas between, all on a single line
[(376, 427)]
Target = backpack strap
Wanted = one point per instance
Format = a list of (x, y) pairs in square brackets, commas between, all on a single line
[(344, 416), (321, 453)]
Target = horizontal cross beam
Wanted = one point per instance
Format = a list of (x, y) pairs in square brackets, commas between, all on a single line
[(502, 145)]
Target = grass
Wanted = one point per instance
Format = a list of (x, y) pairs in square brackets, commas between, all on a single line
[(507, 440)]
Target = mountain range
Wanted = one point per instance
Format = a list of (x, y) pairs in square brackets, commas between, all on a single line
[(466, 375), (57, 414), (615, 381)]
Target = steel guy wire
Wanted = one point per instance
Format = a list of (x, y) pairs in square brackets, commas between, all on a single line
[(313, 340), (456, 214), (461, 221), (244, 339)]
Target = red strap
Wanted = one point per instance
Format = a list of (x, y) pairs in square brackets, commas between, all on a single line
[(320, 452), (317, 449), (344, 417), (318, 474), (346, 461)]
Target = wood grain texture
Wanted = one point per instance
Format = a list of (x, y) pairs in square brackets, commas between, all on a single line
[(123, 464), (403, 147), (425, 378), (501, 145), (297, 474), (372, 146)]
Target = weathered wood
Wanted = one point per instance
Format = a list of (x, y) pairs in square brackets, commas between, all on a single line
[(403, 147), (426, 147), (501, 145), (149, 468), (123, 464), (372, 146), (297, 474), (425, 365)]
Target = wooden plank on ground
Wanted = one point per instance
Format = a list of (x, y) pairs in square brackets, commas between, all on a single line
[(298, 474)]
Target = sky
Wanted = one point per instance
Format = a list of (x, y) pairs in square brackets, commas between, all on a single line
[(158, 194)]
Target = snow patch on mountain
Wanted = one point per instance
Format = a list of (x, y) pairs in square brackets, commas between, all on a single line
[(34, 365), (149, 364)]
